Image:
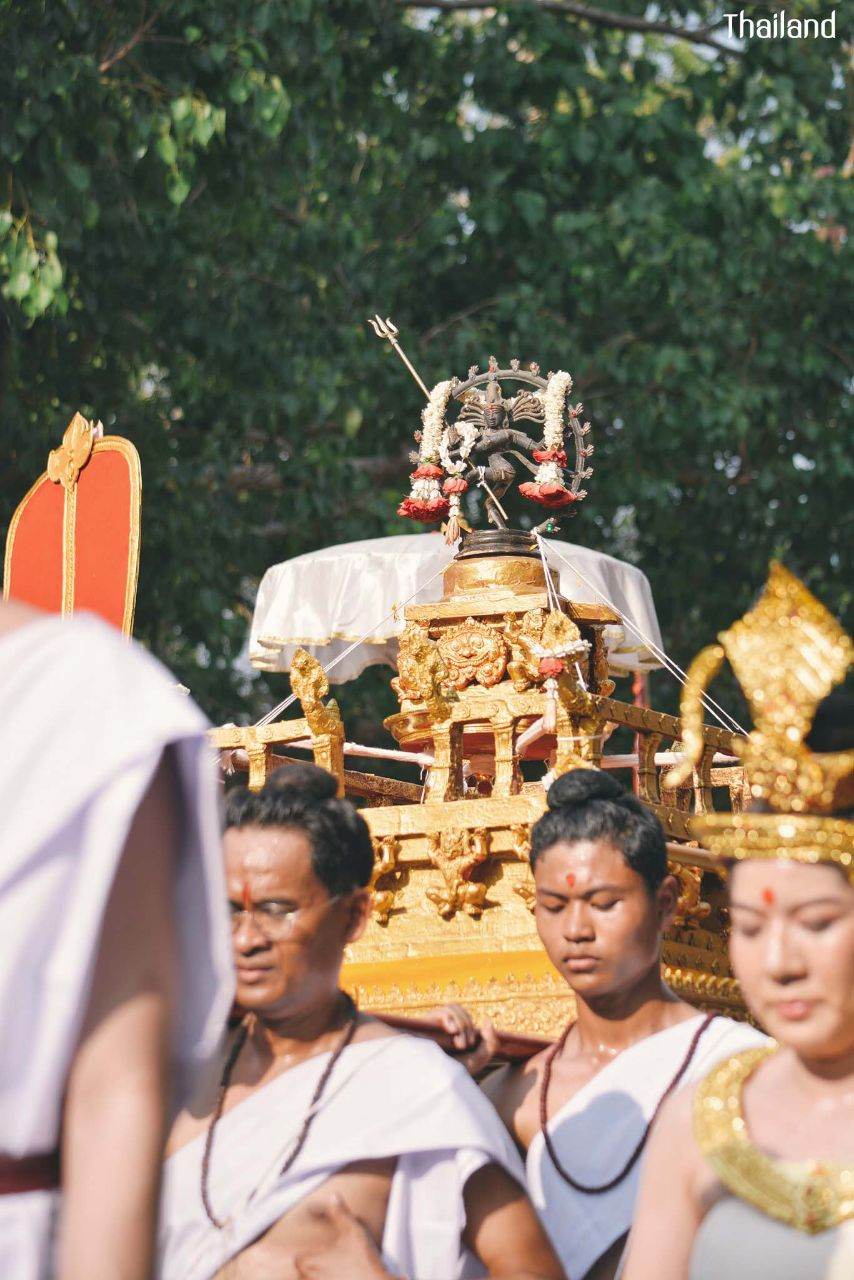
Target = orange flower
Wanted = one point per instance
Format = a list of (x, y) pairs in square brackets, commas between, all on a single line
[(426, 471), (419, 509), (547, 495)]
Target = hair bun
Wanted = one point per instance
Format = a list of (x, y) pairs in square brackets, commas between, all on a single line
[(303, 783), (580, 786)]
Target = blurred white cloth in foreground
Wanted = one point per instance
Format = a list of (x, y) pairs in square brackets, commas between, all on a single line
[(86, 716)]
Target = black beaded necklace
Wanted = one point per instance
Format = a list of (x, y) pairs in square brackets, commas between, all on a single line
[(351, 1014), (635, 1156)]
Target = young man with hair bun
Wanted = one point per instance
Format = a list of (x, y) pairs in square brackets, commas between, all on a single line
[(581, 1111)]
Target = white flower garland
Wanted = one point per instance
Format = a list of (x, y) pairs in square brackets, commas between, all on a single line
[(554, 399), (468, 431), (433, 422)]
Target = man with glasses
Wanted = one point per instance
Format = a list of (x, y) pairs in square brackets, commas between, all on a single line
[(328, 1145)]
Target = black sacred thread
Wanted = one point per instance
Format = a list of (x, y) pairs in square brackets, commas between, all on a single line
[(352, 1015), (635, 1156)]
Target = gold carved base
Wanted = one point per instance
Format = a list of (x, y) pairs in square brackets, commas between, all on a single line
[(453, 921), (518, 991)]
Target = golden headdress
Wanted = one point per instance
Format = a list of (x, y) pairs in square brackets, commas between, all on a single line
[(787, 653)]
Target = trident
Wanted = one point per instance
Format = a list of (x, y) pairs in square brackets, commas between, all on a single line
[(385, 329)]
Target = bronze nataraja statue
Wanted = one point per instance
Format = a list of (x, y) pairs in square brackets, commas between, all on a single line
[(474, 448)]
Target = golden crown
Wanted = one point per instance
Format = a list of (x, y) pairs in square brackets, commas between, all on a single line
[(787, 653)]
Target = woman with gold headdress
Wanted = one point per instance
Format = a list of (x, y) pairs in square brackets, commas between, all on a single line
[(751, 1173)]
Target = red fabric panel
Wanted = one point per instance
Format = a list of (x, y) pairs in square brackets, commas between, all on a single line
[(103, 534), (35, 572)]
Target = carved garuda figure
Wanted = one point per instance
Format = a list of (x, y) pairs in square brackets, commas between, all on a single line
[(540, 635), (456, 854), (311, 685), (422, 677)]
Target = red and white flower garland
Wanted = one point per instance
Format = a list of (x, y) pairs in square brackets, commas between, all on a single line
[(455, 486), (548, 488), (426, 501)]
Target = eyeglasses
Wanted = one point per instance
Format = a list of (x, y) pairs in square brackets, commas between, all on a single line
[(275, 920)]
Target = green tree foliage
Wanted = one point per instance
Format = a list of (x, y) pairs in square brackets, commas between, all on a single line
[(200, 204)]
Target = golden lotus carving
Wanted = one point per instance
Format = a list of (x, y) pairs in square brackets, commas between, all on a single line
[(311, 685), (473, 652)]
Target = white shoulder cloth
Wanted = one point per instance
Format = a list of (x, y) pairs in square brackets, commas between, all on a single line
[(393, 1096), (598, 1129)]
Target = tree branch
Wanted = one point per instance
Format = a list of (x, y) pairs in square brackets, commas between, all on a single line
[(129, 45), (427, 337), (597, 17)]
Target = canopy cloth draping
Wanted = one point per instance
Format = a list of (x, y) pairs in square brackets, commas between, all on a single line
[(326, 599)]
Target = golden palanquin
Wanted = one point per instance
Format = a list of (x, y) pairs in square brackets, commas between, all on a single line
[(452, 885)]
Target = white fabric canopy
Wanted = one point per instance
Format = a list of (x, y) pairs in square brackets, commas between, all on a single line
[(325, 600)]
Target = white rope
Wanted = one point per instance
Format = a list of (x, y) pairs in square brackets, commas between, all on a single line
[(287, 702), (675, 670), (481, 484), (551, 592), (552, 597)]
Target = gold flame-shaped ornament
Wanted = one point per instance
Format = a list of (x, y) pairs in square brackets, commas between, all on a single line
[(787, 653), (65, 463)]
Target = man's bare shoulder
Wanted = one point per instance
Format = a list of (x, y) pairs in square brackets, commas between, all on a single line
[(509, 1088), (371, 1028)]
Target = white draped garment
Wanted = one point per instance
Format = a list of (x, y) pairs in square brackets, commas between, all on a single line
[(392, 1096), (85, 716), (597, 1130)]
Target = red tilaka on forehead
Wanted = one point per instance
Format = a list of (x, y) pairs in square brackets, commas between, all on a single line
[(768, 896), (570, 880), (247, 897)]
